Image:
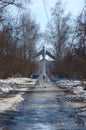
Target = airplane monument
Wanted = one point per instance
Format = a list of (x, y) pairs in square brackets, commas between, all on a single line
[(43, 76)]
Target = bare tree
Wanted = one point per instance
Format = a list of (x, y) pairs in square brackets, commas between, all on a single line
[(80, 35), (6, 3), (29, 35), (58, 30)]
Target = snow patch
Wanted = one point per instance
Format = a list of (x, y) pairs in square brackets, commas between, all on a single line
[(18, 80), (9, 103)]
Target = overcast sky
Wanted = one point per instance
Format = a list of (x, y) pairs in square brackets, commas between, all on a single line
[(37, 8)]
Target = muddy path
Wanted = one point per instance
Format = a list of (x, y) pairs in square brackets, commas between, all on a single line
[(44, 107)]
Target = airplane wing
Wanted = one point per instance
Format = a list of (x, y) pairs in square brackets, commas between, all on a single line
[(38, 54), (50, 55)]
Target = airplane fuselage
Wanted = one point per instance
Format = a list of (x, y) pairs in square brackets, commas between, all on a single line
[(44, 53)]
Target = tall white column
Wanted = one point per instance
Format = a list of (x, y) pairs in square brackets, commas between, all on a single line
[(44, 73)]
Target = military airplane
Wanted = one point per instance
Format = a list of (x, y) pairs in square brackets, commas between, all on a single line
[(43, 52)]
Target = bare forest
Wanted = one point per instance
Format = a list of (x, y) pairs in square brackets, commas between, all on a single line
[(18, 37), (19, 40), (67, 37)]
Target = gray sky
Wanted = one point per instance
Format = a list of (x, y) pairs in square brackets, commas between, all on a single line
[(37, 8)]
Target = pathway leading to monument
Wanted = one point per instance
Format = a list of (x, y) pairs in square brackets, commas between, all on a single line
[(44, 108)]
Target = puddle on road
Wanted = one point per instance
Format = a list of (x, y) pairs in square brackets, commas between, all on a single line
[(42, 111)]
